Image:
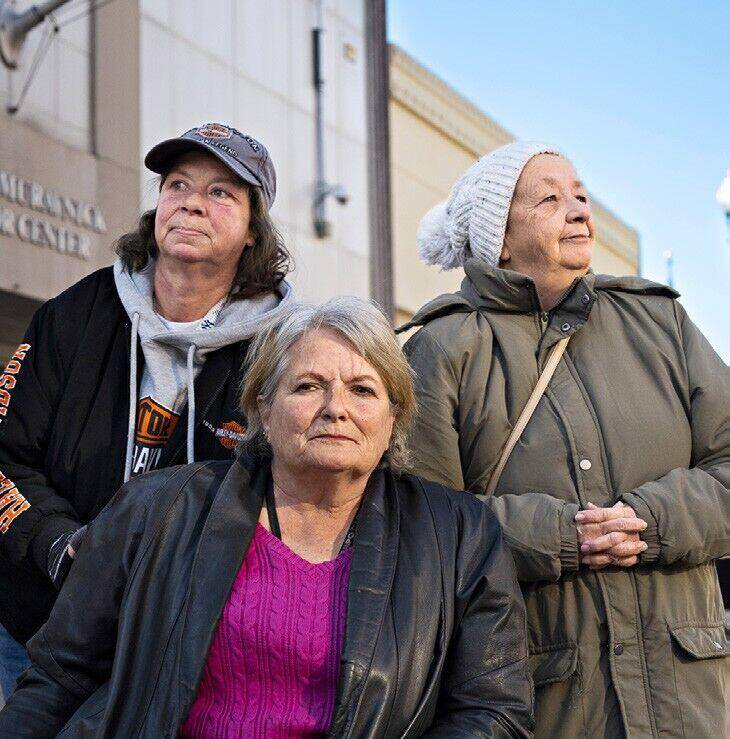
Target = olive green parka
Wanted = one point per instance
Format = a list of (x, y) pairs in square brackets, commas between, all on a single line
[(638, 410)]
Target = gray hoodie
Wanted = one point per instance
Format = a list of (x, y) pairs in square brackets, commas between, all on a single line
[(174, 353)]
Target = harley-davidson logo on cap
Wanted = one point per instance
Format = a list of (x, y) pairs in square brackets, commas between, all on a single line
[(242, 154), (215, 131)]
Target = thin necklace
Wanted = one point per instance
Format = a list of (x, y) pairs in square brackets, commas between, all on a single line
[(347, 542)]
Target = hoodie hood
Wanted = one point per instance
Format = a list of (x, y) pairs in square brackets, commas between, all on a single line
[(496, 289), (238, 320), (174, 354)]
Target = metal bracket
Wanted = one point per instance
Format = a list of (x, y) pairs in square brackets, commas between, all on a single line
[(322, 227), (14, 27)]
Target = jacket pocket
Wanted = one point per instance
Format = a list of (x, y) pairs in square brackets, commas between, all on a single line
[(701, 642), (701, 672), (558, 694), (553, 664)]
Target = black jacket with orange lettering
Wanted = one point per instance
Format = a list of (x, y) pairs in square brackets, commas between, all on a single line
[(64, 411)]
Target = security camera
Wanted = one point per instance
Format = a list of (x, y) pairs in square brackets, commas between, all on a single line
[(340, 194), (322, 226)]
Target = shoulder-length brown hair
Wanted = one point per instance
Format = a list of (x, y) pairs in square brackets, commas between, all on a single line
[(261, 267)]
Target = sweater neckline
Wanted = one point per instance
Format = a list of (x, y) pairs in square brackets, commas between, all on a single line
[(282, 550)]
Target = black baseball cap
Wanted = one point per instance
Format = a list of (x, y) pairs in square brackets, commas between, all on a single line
[(242, 154)]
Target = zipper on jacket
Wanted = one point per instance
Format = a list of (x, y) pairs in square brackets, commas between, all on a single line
[(544, 320)]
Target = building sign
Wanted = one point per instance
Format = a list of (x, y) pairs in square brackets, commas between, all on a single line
[(63, 223)]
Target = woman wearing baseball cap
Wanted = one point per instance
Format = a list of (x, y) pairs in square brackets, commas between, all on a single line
[(137, 366)]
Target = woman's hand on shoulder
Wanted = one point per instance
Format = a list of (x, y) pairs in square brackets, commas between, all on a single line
[(609, 536)]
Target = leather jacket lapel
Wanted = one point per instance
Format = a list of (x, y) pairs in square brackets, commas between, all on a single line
[(226, 535), (371, 579)]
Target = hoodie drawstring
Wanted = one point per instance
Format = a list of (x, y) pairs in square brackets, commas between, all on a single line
[(191, 404), (132, 422)]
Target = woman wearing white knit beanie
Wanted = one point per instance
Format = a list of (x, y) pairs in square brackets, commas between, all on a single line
[(473, 220), (610, 476)]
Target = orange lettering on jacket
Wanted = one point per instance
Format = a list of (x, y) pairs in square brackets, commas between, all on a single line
[(21, 351), (8, 380), (10, 497), (6, 483), (10, 514), (12, 503)]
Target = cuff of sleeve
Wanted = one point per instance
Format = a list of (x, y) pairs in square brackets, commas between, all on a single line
[(569, 554), (650, 535), (45, 532)]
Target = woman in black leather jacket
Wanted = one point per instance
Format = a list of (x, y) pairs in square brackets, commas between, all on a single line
[(433, 633)]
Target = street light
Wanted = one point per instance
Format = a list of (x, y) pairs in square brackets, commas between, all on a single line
[(14, 27), (723, 198)]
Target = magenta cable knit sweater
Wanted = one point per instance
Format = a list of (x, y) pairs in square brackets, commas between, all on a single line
[(273, 666)]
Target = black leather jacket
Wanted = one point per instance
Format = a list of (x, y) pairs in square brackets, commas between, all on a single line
[(435, 639)]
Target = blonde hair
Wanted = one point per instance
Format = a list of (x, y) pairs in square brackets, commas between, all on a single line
[(370, 333)]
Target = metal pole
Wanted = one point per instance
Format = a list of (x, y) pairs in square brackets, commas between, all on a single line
[(321, 226), (378, 97), (36, 13)]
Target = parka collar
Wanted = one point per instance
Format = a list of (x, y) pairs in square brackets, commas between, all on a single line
[(504, 291), (498, 289), (492, 289), (513, 292)]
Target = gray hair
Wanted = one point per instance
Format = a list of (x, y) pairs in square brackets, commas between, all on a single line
[(366, 328)]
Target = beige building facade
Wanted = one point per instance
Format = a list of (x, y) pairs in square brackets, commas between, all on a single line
[(436, 134), (121, 78), (69, 160)]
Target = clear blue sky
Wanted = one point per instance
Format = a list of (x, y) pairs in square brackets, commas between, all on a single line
[(636, 93)]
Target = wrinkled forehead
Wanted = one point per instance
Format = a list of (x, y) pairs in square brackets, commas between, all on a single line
[(547, 169), (329, 353)]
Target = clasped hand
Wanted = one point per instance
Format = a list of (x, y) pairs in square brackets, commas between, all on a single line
[(609, 536)]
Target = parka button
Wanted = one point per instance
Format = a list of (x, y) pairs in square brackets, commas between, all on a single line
[(586, 298), (565, 326), (618, 650), (585, 464)]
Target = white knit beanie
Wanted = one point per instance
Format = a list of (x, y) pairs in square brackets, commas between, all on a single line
[(473, 220)]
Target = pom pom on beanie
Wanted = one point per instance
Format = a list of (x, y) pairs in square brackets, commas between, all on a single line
[(434, 244), (474, 218)]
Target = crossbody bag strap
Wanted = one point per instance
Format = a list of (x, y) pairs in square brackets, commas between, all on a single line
[(553, 360)]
